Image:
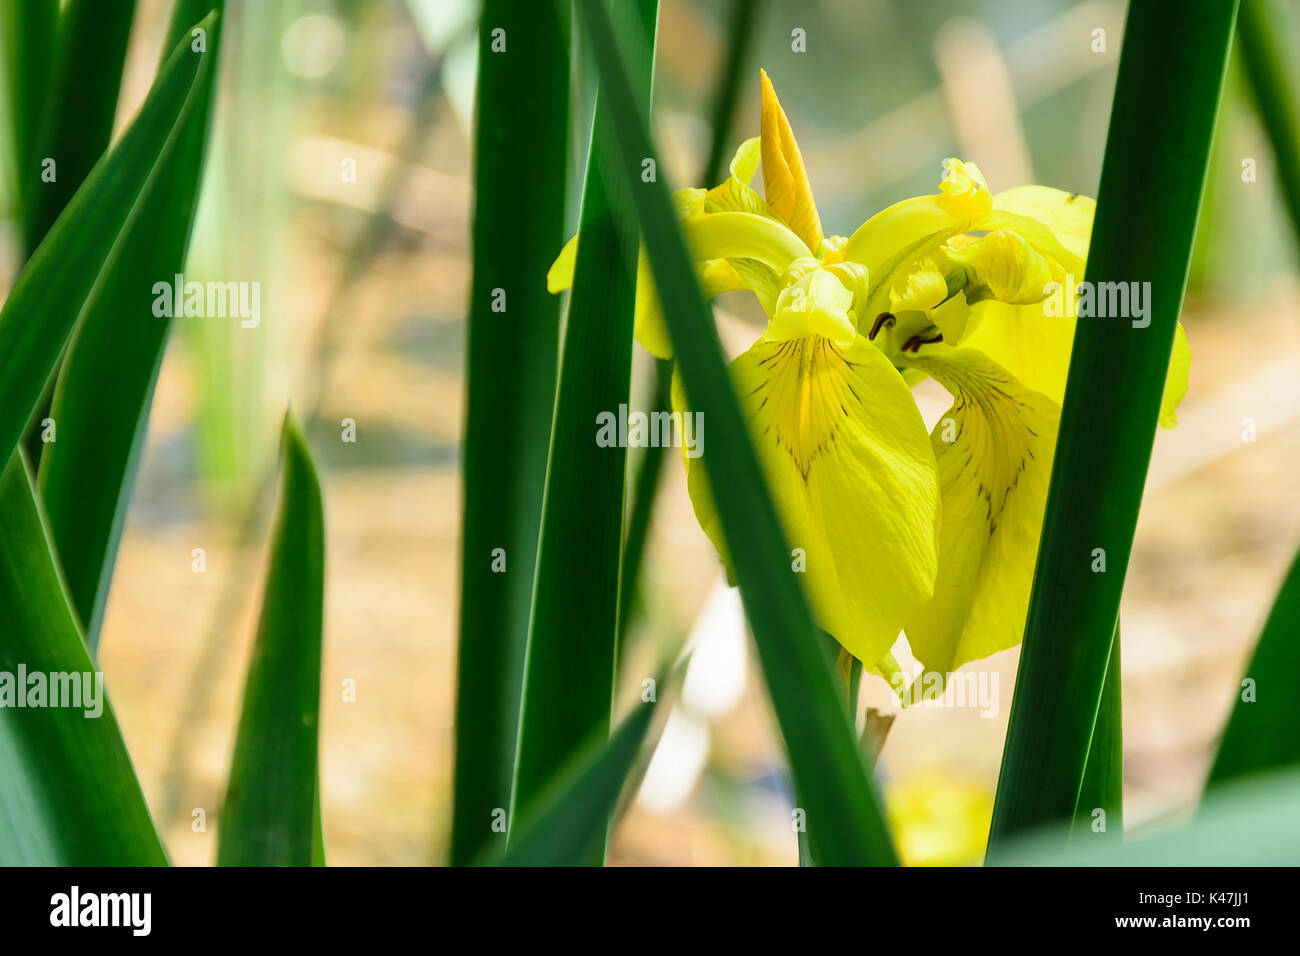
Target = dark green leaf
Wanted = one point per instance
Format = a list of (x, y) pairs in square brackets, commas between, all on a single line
[(568, 826), (1262, 728), (572, 638), (1153, 176), (1264, 34), (1103, 776), (521, 153), (649, 469), (839, 797)]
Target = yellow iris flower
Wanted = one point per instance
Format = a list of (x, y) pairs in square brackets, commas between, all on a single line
[(931, 535)]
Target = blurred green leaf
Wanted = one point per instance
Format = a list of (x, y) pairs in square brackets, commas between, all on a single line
[(1247, 823), (27, 40), (101, 402), (68, 793), (843, 809), (1263, 34), (88, 237), (520, 157), (1166, 98), (573, 635), (1261, 733), (271, 815)]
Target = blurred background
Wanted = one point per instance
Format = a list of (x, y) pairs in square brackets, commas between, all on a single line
[(364, 292)]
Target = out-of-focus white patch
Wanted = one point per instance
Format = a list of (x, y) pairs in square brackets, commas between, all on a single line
[(676, 765), (439, 22), (933, 401), (715, 677), (460, 79), (312, 45)]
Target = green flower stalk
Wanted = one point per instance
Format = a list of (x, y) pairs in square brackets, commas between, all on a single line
[(931, 535)]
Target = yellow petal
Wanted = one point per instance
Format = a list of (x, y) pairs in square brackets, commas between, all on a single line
[(742, 235), (648, 318), (1068, 215), (938, 819), (689, 203), (762, 248), (852, 475), (560, 276), (921, 289), (1035, 348), (962, 188), (994, 449), (716, 276), (735, 194), (815, 303), (1003, 265), (785, 181), (1032, 346), (1176, 382), (890, 242)]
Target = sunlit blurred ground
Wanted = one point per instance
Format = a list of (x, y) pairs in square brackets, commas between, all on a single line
[(1219, 525)]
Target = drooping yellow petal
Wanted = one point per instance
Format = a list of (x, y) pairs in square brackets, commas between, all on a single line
[(785, 180), (1035, 348), (994, 449), (1032, 346), (852, 475)]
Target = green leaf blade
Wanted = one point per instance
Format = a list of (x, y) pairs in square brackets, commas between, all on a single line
[(573, 634), (828, 768), (48, 294), (1153, 176), (28, 34), (271, 814), (105, 386), (521, 152), (1247, 823), (78, 121), (568, 825), (1103, 775), (1263, 33), (68, 793), (1261, 731)]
